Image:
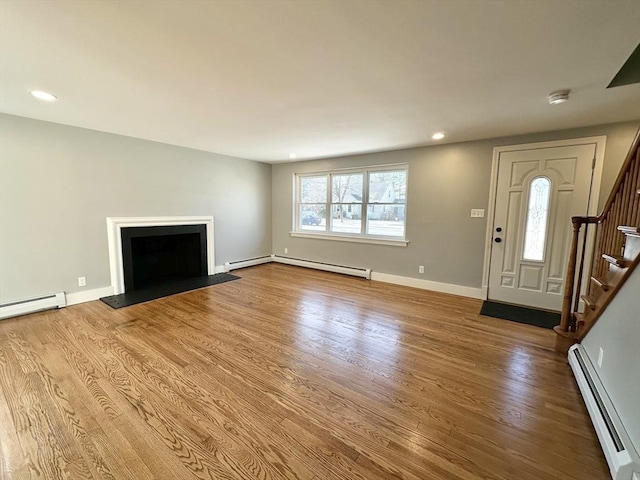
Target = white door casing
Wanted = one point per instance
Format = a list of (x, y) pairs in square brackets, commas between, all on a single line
[(568, 166)]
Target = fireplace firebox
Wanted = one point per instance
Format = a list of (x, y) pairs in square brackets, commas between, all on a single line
[(158, 255)]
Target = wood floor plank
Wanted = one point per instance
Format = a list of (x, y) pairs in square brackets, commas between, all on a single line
[(289, 373), (47, 451), (10, 451)]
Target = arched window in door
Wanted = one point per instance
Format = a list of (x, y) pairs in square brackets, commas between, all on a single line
[(535, 234)]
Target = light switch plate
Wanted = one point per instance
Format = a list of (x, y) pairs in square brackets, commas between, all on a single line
[(477, 212)]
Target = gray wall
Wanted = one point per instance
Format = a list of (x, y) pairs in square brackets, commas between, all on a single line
[(618, 333), (445, 183), (59, 183)]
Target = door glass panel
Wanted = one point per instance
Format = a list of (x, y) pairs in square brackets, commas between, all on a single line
[(537, 212)]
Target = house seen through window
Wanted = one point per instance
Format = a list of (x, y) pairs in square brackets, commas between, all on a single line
[(368, 202)]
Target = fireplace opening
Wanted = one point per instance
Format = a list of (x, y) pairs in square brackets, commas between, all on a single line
[(154, 256)]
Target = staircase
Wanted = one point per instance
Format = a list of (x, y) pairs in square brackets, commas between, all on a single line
[(615, 236)]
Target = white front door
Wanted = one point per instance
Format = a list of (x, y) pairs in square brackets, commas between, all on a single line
[(537, 192)]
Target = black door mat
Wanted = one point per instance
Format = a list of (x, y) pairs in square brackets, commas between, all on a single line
[(515, 313), (152, 293)]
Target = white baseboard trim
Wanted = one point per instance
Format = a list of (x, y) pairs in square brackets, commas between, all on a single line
[(88, 295), (97, 293), (428, 285), (471, 292)]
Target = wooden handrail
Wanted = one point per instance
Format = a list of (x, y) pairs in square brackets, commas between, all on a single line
[(621, 174)]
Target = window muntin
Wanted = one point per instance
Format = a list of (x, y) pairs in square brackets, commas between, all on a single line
[(535, 234), (361, 203)]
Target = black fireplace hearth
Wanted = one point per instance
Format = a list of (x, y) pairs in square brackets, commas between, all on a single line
[(163, 260), (166, 289)]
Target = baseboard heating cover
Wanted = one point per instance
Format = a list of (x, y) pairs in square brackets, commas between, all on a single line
[(31, 305), (621, 456), (329, 267), (228, 266)]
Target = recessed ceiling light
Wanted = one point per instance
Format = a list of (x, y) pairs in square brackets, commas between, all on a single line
[(438, 136), (292, 155), (559, 96), (46, 96)]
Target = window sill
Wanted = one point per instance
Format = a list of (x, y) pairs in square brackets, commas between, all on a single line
[(353, 239)]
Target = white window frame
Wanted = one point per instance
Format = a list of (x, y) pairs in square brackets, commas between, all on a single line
[(363, 237)]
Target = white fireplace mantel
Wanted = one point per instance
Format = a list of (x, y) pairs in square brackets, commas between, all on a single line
[(116, 224)]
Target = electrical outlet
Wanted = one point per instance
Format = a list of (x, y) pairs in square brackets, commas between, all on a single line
[(421, 269), (600, 355), (82, 281), (477, 212), (286, 250)]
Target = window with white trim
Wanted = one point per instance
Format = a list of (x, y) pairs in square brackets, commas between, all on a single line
[(361, 203)]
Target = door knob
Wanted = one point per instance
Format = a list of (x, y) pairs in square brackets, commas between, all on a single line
[(497, 240)]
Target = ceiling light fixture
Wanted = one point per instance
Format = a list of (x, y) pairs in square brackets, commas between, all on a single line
[(559, 96), (45, 96), (292, 155), (438, 136)]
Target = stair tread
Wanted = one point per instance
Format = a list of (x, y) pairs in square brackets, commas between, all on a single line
[(629, 230), (601, 283), (615, 260)]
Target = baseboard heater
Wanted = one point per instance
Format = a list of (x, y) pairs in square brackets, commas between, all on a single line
[(31, 305), (329, 267), (250, 262), (621, 456)]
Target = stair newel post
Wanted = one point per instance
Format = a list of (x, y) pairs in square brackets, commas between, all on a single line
[(565, 334), (565, 320)]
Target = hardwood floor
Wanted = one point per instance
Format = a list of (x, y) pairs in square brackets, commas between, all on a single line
[(289, 373)]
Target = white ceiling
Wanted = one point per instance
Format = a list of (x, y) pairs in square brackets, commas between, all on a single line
[(261, 79)]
